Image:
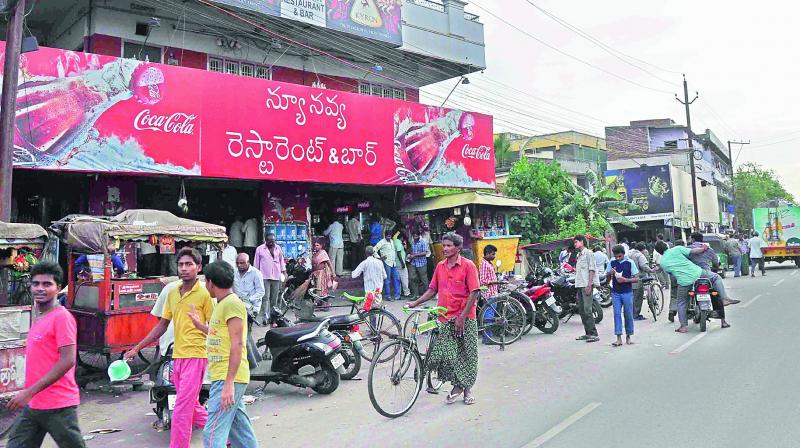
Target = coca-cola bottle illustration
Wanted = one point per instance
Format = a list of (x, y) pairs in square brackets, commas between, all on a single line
[(55, 115), (420, 146)]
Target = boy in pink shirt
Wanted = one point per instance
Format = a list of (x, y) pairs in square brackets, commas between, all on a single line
[(50, 399)]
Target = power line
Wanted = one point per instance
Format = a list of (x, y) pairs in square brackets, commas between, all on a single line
[(564, 53)]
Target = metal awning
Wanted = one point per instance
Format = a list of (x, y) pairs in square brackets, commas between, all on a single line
[(14, 231), (469, 198)]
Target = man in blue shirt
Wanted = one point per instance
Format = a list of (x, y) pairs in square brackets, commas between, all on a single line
[(82, 263), (621, 271), (420, 250)]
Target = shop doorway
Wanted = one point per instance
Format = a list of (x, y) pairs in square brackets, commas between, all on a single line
[(41, 197)]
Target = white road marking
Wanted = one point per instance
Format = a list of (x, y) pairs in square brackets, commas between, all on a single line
[(688, 344), (794, 272), (780, 281), (749, 302), (559, 428)]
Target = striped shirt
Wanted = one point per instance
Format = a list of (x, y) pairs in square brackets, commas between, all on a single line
[(487, 275), (420, 247)]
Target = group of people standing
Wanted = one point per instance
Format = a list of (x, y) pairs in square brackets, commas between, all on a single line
[(740, 249), (684, 266)]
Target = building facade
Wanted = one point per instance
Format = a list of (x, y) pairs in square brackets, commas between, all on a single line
[(577, 153), (245, 110), (663, 143)]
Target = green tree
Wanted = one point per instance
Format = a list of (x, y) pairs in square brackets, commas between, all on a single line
[(753, 184), (542, 181), (502, 151), (598, 205)]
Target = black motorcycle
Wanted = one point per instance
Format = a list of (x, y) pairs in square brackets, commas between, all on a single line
[(304, 355), (162, 394), (700, 308), (566, 294), (298, 276), (344, 326)]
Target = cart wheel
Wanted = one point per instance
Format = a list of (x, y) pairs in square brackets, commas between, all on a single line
[(94, 362), (148, 357)]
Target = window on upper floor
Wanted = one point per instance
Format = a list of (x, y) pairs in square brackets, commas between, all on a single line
[(365, 88), (132, 50), (234, 67), (671, 144)]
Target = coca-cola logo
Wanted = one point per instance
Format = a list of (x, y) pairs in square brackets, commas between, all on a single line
[(177, 123), (482, 152)]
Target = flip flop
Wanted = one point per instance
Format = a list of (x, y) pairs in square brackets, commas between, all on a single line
[(452, 398), (682, 330), (616, 344), (469, 400)]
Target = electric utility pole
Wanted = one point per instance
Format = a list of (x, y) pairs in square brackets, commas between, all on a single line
[(8, 103), (733, 173), (687, 103)]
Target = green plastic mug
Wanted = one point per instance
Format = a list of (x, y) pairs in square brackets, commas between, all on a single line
[(119, 370)]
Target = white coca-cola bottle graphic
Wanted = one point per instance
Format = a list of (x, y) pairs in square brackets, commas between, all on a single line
[(55, 115), (420, 147)]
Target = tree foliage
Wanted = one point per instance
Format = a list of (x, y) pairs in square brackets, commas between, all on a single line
[(600, 204), (502, 151), (753, 184)]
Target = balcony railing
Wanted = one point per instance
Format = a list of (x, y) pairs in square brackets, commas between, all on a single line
[(436, 6)]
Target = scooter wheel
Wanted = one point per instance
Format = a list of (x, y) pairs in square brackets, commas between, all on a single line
[(329, 380)]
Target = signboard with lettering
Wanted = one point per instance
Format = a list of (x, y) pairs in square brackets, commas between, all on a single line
[(125, 116)]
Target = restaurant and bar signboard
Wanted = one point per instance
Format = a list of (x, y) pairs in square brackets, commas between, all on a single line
[(373, 19), (101, 114)]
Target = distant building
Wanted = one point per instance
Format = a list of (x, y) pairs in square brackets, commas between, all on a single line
[(576, 152), (662, 142)]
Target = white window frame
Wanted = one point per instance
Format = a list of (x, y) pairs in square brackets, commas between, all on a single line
[(382, 91), (256, 71)]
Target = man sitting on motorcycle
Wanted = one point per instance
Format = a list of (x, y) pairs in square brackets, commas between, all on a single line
[(708, 260), (676, 261)]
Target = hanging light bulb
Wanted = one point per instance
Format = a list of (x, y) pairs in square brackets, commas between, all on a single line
[(467, 219)]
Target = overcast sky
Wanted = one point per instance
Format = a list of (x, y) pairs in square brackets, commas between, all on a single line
[(741, 57)]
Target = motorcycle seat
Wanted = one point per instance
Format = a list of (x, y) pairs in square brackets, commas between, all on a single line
[(342, 320), (281, 337)]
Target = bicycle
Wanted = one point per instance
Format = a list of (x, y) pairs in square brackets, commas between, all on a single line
[(382, 325), (654, 292), (406, 371)]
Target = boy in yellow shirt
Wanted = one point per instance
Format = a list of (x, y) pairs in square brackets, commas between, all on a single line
[(189, 351), (227, 362)]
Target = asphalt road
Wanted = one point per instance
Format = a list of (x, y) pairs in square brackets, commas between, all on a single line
[(724, 388)]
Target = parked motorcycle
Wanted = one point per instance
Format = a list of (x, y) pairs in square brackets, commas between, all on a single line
[(564, 291), (540, 306), (700, 308), (304, 355), (162, 394), (344, 326)]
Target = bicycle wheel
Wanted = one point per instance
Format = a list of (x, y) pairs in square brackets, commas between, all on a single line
[(503, 320), (383, 326), (658, 298), (414, 319), (530, 313), (650, 295), (394, 385), (434, 383)]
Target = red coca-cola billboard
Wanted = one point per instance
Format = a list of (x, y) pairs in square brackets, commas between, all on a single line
[(84, 112)]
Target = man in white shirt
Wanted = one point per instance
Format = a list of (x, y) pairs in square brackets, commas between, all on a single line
[(756, 256), (248, 284), (251, 237), (373, 271), (334, 234), (354, 232), (386, 251)]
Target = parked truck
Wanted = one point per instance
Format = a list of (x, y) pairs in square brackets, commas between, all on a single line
[(779, 227)]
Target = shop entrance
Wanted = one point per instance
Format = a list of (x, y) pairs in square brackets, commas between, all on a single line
[(354, 207), (214, 201), (41, 197)]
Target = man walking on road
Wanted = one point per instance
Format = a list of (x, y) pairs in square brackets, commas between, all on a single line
[(50, 400), (336, 246), (373, 271), (637, 256), (270, 261), (756, 256), (732, 247), (455, 353), (676, 262), (189, 352), (248, 284), (586, 278), (228, 368)]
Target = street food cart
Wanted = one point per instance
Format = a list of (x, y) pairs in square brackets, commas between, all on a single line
[(112, 310), (20, 246), (484, 215)]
